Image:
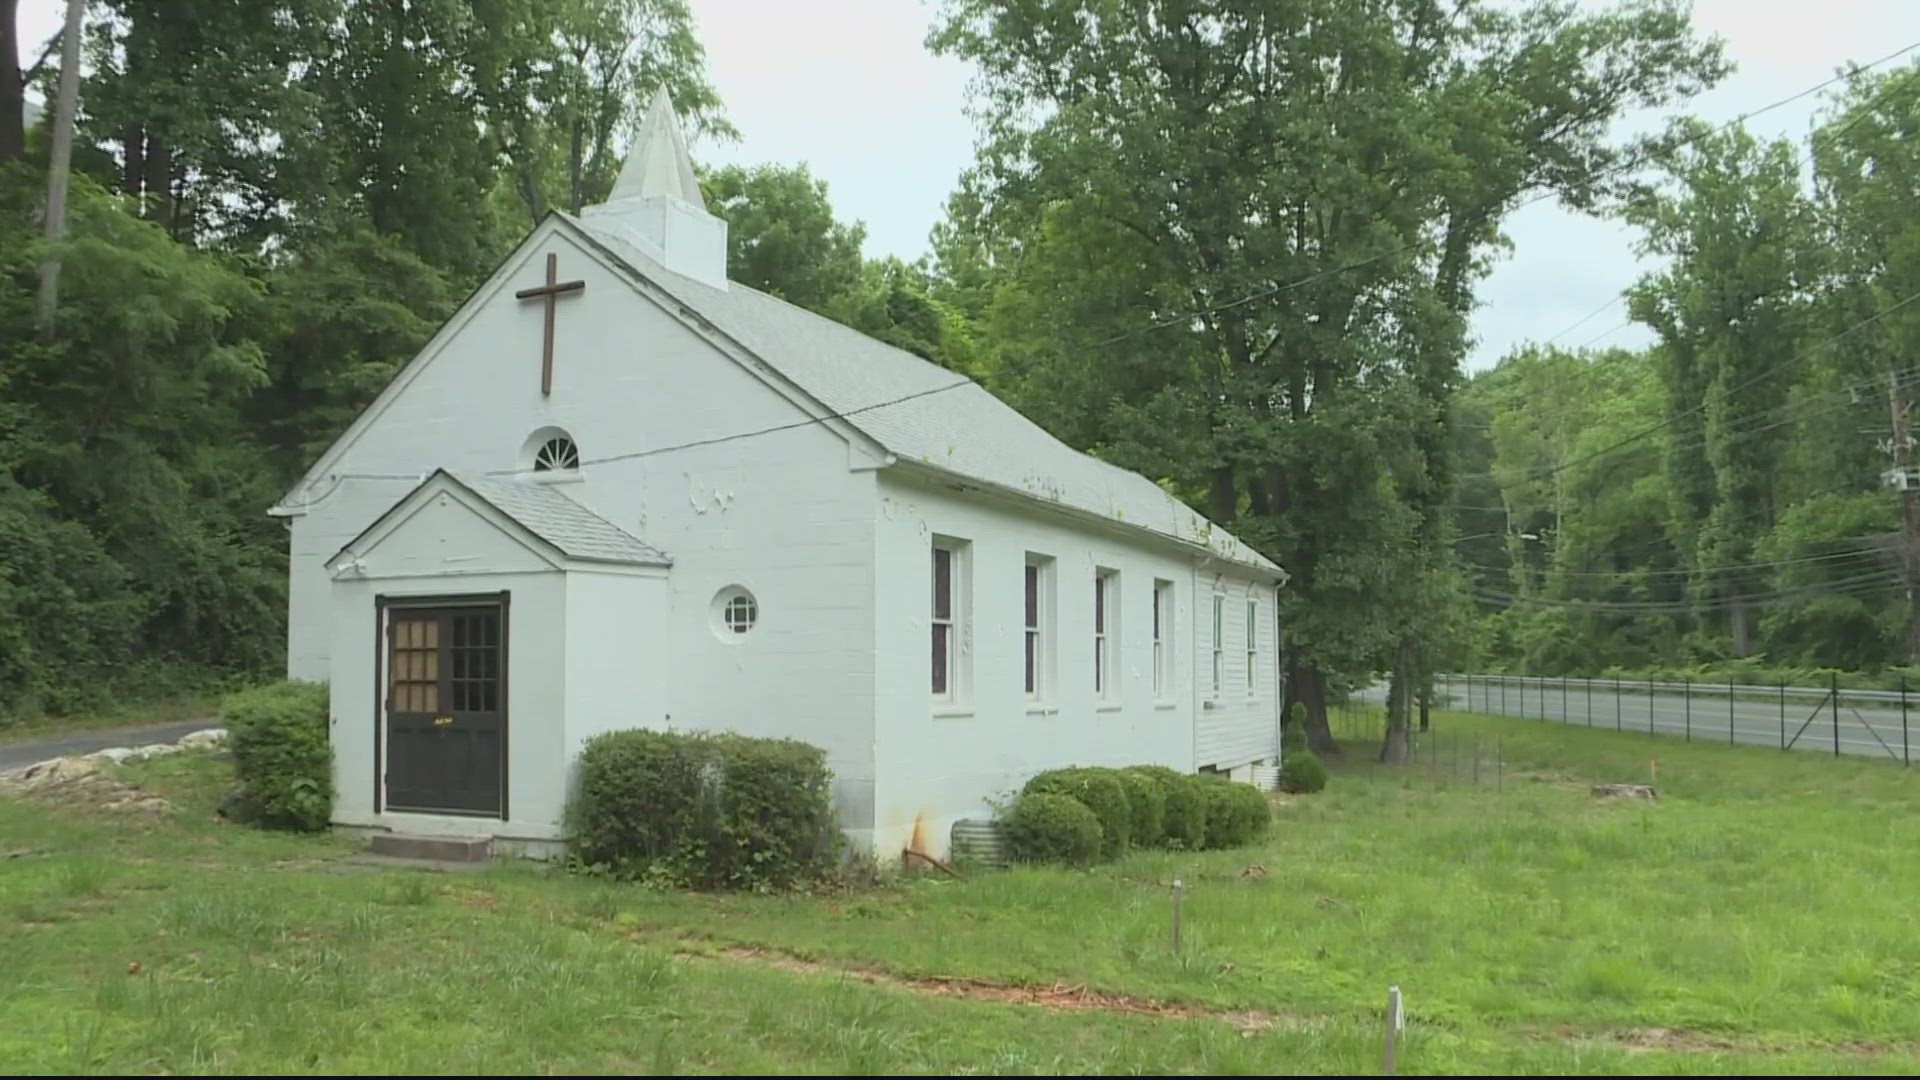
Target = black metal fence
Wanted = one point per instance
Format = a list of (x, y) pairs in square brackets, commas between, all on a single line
[(1830, 719), (1445, 757)]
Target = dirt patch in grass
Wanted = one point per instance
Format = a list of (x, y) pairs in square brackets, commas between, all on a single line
[(1058, 997), (1660, 1040)]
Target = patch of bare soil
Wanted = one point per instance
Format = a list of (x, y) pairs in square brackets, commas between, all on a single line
[(1651, 1040), (81, 783), (1058, 997)]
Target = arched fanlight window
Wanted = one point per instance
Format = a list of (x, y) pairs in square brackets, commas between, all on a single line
[(557, 453)]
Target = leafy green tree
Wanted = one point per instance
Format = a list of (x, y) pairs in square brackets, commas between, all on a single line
[(562, 82), (782, 237), (1729, 310), (1247, 240)]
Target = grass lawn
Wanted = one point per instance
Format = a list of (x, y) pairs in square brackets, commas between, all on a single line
[(1763, 917)]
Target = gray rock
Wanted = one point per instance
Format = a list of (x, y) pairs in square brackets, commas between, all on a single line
[(115, 754), (154, 750), (206, 737)]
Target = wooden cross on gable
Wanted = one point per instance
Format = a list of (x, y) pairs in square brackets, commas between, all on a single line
[(552, 291)]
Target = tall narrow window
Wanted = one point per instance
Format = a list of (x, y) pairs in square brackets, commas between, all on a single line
[(942, 622), (1033, 630), (1162, 630), (1106, 616), (1219, 624), (1253, 639), (1039, 627)]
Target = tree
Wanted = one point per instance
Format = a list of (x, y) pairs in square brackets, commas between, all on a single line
[(1258, 226), (782, 237), (563, 80), (1728, 311), (13, 102)]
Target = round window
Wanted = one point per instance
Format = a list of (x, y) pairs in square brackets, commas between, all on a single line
[(735, 612)]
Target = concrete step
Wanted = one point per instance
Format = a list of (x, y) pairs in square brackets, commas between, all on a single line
[(475, 849)]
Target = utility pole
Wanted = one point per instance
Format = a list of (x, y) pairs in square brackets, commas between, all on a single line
[(1903, 480), (67, 103)]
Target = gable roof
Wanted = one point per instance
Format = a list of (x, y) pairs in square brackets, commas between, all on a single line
[(547, 513), (926, 415)]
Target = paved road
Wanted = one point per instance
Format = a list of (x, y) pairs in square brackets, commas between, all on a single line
[(20, 755), (1803, 721)]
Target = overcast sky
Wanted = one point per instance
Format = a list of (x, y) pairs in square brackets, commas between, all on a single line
[(848, 87)]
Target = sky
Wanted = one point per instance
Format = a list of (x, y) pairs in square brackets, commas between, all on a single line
[(848, 87)]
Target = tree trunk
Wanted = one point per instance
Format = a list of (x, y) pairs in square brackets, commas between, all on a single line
[(159, 181), (1426, 702), (59, 162), (1393, 749), (576, 194), (1741, 616), (1311, 691), (13, 132), (133, 175)]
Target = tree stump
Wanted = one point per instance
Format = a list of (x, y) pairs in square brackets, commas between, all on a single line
[(1623, 791)]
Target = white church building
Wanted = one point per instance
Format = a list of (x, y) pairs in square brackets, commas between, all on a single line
[(617, 491)]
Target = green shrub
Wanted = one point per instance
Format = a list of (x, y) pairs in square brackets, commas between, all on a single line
[(1300, 771), (1183, 819), (278, 736), (1100, 791), (1146, 806), (1046, 826), (708, 811), (1293, 733), (1237, 814)]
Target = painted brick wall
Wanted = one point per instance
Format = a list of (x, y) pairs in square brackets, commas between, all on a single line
[(780, 514)]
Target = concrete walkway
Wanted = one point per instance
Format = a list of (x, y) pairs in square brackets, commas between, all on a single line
[(20, 755)]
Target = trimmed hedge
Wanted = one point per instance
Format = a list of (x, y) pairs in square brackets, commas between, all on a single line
[(1293, 733), (1046, 826), (711, 811), (1301, 772), (1146, 806), (278, 736), (1183, 818), (1237, 814), (1156, 804), (1100, 791)]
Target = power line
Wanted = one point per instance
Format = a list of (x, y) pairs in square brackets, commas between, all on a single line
[(1861, 585), (1704, 571)]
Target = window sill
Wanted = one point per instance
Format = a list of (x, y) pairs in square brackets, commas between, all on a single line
[(1108, 706), (1166, 704), (1038, 708), (557, 476), (952, 712)]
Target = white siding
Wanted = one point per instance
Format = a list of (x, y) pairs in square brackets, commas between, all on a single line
[(781, 514), (940, 764), (1236, 727)]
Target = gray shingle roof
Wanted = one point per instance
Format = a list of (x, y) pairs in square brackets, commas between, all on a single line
[(551, 515), (963, 430)]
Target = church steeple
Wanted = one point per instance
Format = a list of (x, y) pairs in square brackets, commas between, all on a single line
[(658, 164), (656, 203)]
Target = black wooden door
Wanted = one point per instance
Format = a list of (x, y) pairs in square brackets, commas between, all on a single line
[(446, 708)]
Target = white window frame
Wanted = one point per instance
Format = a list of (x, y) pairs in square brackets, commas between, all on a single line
[(1253, 641), (1106, 630), (1037, 640), (958, 621), (1162, 633), (1219, 653)]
